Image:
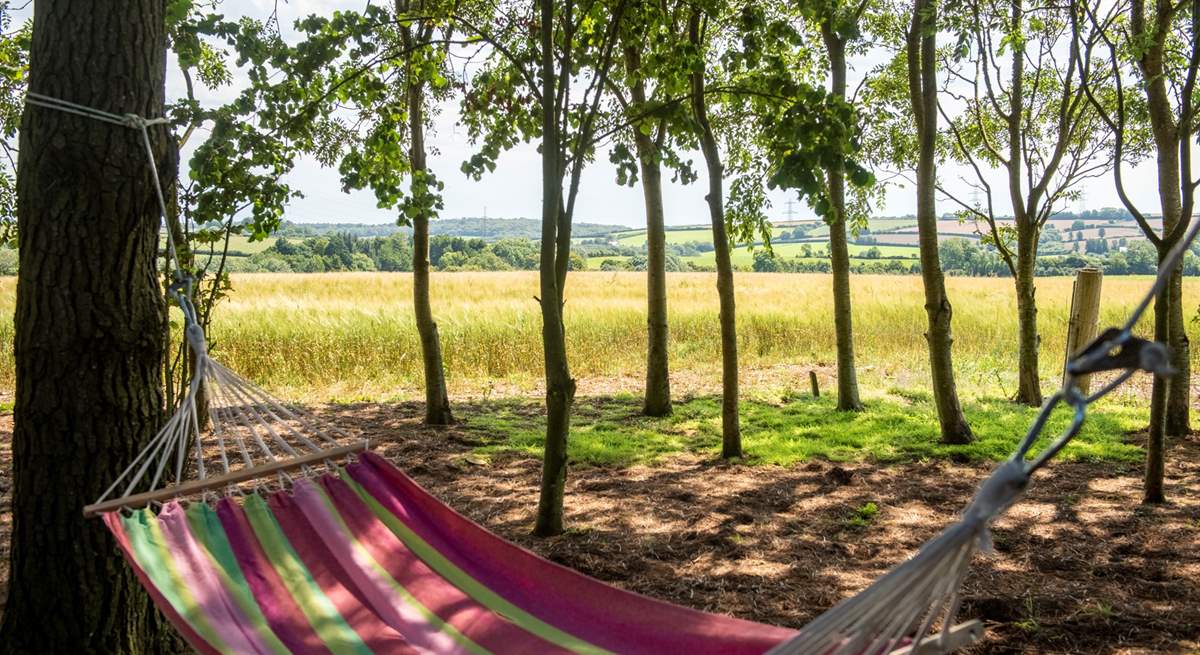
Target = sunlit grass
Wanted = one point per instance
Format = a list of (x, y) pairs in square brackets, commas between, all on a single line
[(352, 335), (793, 428)]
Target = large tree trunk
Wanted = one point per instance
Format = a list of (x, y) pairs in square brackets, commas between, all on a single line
[(437, 400), (658, 379), (839, 252), (922, 84), (731, 436), (560, 387), (1029, 385), (89, 327)]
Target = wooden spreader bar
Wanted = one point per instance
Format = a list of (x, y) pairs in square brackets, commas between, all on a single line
[(233, 477)]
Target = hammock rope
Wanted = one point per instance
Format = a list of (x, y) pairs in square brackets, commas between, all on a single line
[(261, 427), (909, 610)]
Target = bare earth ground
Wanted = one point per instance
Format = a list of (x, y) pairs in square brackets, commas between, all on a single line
[(1080, 566)]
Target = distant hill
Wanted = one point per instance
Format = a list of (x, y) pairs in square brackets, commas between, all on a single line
[(490, 229)]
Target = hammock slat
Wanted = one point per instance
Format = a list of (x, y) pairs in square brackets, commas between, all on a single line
[(222, 481)]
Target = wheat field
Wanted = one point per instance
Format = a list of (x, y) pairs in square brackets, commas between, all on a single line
[(347, 336)]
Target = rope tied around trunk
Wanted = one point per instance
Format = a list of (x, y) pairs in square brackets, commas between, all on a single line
[(260, 426)]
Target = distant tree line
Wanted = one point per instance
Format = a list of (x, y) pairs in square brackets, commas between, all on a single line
[(343, 251)]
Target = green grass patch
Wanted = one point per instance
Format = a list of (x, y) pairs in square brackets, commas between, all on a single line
[(795, 428), (594, 263), (863, 515), (744, 255)]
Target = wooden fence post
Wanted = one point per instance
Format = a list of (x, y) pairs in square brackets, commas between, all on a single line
[(812, 380), (1085, 317)]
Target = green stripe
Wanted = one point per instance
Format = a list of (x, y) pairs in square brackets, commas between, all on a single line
[(207, 529), (320, 611), (470, 586), (150, 550), (364, 555)]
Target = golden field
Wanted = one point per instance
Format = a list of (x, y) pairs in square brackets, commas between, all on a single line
[(351, 335)]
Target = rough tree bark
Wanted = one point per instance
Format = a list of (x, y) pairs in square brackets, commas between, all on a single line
[(89, 327), (839, 254), (658, 379), (922, 85), (437, 400), (560, 387), (731, 436)]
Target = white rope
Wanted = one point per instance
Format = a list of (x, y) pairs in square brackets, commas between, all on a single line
[(236, 407), (132, 121)]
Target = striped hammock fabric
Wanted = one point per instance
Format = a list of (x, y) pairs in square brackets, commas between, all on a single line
[(368, 562)]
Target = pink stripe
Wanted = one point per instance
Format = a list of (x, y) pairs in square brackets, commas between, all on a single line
[(196, 571), (113, 521), (337, 585), (478, 623), (286, 619), (384, 599), (591, 610)]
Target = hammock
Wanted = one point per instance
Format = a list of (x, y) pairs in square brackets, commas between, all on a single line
[(357, 558), (365, 561)]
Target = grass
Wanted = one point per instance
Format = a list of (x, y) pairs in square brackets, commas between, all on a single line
[(351, 336), (243, 244), (863, 515), (793, 428), (594, 263), (744, 256)]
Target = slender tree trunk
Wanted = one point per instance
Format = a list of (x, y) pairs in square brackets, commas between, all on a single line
[(560, 387), (1178, 420), (922, 84), (437, 400), (1156, 432), (658, 379), (839, 253), (731, 437), (89, 327), (1167, 141), (1029, 385)]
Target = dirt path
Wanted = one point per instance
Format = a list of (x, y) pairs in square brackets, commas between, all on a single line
[(1080, 566)]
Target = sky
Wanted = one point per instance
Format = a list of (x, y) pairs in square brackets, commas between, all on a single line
[(514, 188)]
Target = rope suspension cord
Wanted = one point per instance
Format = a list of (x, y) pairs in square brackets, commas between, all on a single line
[(236, 407)]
